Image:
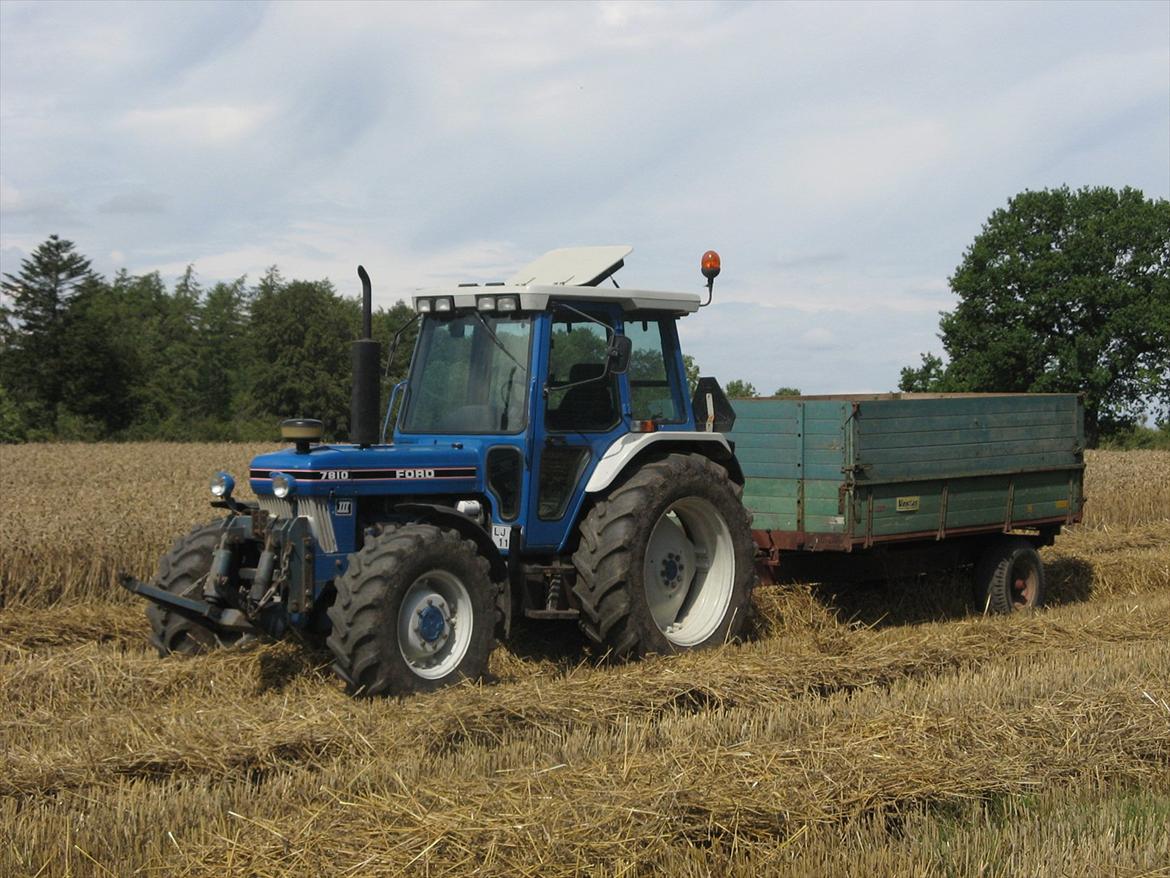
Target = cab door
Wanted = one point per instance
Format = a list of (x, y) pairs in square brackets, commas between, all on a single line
[(578, 416)]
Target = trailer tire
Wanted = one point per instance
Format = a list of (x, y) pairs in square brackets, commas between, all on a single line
[(181, 572), (665, 562), (1010, 577), (398, 617)]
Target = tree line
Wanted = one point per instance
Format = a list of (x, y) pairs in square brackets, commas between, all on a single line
[(1061, 291), (89, 358)]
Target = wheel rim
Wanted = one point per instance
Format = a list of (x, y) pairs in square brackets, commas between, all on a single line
[(689, 571), (1025, 582), (434, 624)]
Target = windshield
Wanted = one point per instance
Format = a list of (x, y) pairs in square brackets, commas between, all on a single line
[(469, 375)]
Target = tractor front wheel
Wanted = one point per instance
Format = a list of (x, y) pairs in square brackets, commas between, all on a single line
[(666, 560), (415, 610), (181, 572)]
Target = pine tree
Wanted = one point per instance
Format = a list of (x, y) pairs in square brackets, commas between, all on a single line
[(32, 323)]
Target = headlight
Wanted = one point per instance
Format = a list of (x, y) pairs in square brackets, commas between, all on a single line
[(444, 303), (283, 485), (222, 485), (424, 306), (507, 303)]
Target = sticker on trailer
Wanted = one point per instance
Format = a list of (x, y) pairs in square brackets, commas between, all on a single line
[(907, 504), (501, 536)]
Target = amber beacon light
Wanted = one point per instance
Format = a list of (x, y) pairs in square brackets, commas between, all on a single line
[(710, 266)]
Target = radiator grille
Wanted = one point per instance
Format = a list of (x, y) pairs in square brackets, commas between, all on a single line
[(316, 509), (275, 507)]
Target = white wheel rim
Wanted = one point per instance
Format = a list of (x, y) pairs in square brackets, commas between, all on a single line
[(689, 571), (434, 624)]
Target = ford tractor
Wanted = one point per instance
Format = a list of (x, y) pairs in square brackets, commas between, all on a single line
[(543, 459)]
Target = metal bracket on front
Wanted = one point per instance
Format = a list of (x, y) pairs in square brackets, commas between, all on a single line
[(221, 620)]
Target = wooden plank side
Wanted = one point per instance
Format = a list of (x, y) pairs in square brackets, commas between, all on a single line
[(952, 469), (965, 454), (766, 426), (966, 405), (876, 440), (927, 421), (822, 510)]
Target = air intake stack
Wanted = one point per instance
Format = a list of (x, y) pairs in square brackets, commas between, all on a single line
[(367, 357)]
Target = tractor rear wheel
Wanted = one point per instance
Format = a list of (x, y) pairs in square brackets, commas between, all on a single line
[(415, 611), (181, 572), (1010, 576), (666, 560)]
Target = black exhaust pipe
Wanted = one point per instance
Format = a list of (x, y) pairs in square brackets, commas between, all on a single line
[(366, 402)]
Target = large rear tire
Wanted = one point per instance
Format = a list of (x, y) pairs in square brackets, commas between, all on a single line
[(181, 572), (666, 560), (415, 611)]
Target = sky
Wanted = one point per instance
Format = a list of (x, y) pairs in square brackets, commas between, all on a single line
[(840, 157)]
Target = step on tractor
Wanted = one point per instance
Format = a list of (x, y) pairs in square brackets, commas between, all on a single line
[(543, 459)]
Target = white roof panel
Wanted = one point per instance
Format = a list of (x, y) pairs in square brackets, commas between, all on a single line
[(572, 266)]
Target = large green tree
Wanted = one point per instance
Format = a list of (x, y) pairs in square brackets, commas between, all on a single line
[(299, 339), (1064, 291), (32, 316)]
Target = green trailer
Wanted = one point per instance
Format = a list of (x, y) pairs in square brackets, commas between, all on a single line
[(870, 486)]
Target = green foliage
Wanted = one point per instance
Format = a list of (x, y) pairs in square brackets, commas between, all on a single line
[(786, 391), (739, 389), (930, 377), (1064, 291), (1138, 436), (692, 370), (299, 344), (31, 324), (84, 358)]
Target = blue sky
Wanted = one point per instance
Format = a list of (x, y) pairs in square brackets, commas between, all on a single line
[(840, 157)]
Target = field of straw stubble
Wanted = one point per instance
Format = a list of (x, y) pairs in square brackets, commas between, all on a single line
[(883, 730)]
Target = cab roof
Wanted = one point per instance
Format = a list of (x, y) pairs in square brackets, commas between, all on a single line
[(568, 273)]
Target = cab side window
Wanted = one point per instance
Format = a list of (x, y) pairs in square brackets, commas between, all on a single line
[(651, 393), (575, 402)]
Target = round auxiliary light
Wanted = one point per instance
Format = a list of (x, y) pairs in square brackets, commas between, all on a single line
[(710, 265), (283, 484), (222, 485)]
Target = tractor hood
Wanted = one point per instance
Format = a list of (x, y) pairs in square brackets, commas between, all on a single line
[(381, 469)]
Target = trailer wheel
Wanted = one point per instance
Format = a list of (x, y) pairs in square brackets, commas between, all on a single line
[(666, 560), (181, 572), (415, 611), (1010, 576)]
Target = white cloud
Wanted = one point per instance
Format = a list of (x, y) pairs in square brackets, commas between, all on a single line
[(196, 125)]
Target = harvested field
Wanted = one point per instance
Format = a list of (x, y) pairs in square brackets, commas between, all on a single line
[(869, 730)]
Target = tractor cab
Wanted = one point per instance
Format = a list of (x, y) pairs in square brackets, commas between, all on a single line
[(544, 374)]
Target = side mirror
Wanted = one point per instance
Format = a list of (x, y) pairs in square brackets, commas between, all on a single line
[(618, 354)]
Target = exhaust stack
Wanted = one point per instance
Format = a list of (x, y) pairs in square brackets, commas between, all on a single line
[(367, 357)]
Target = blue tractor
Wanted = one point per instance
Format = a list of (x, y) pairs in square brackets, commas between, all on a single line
[(545, 461)]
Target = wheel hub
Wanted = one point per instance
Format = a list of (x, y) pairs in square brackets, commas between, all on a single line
[(673, 570), (431, 624)]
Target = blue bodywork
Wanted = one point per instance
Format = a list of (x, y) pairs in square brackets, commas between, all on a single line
[(359, 485)]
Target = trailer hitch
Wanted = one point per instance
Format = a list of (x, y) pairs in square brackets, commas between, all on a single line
[(221, 620)]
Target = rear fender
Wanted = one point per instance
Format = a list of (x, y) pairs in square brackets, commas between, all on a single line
[(631, 448)]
